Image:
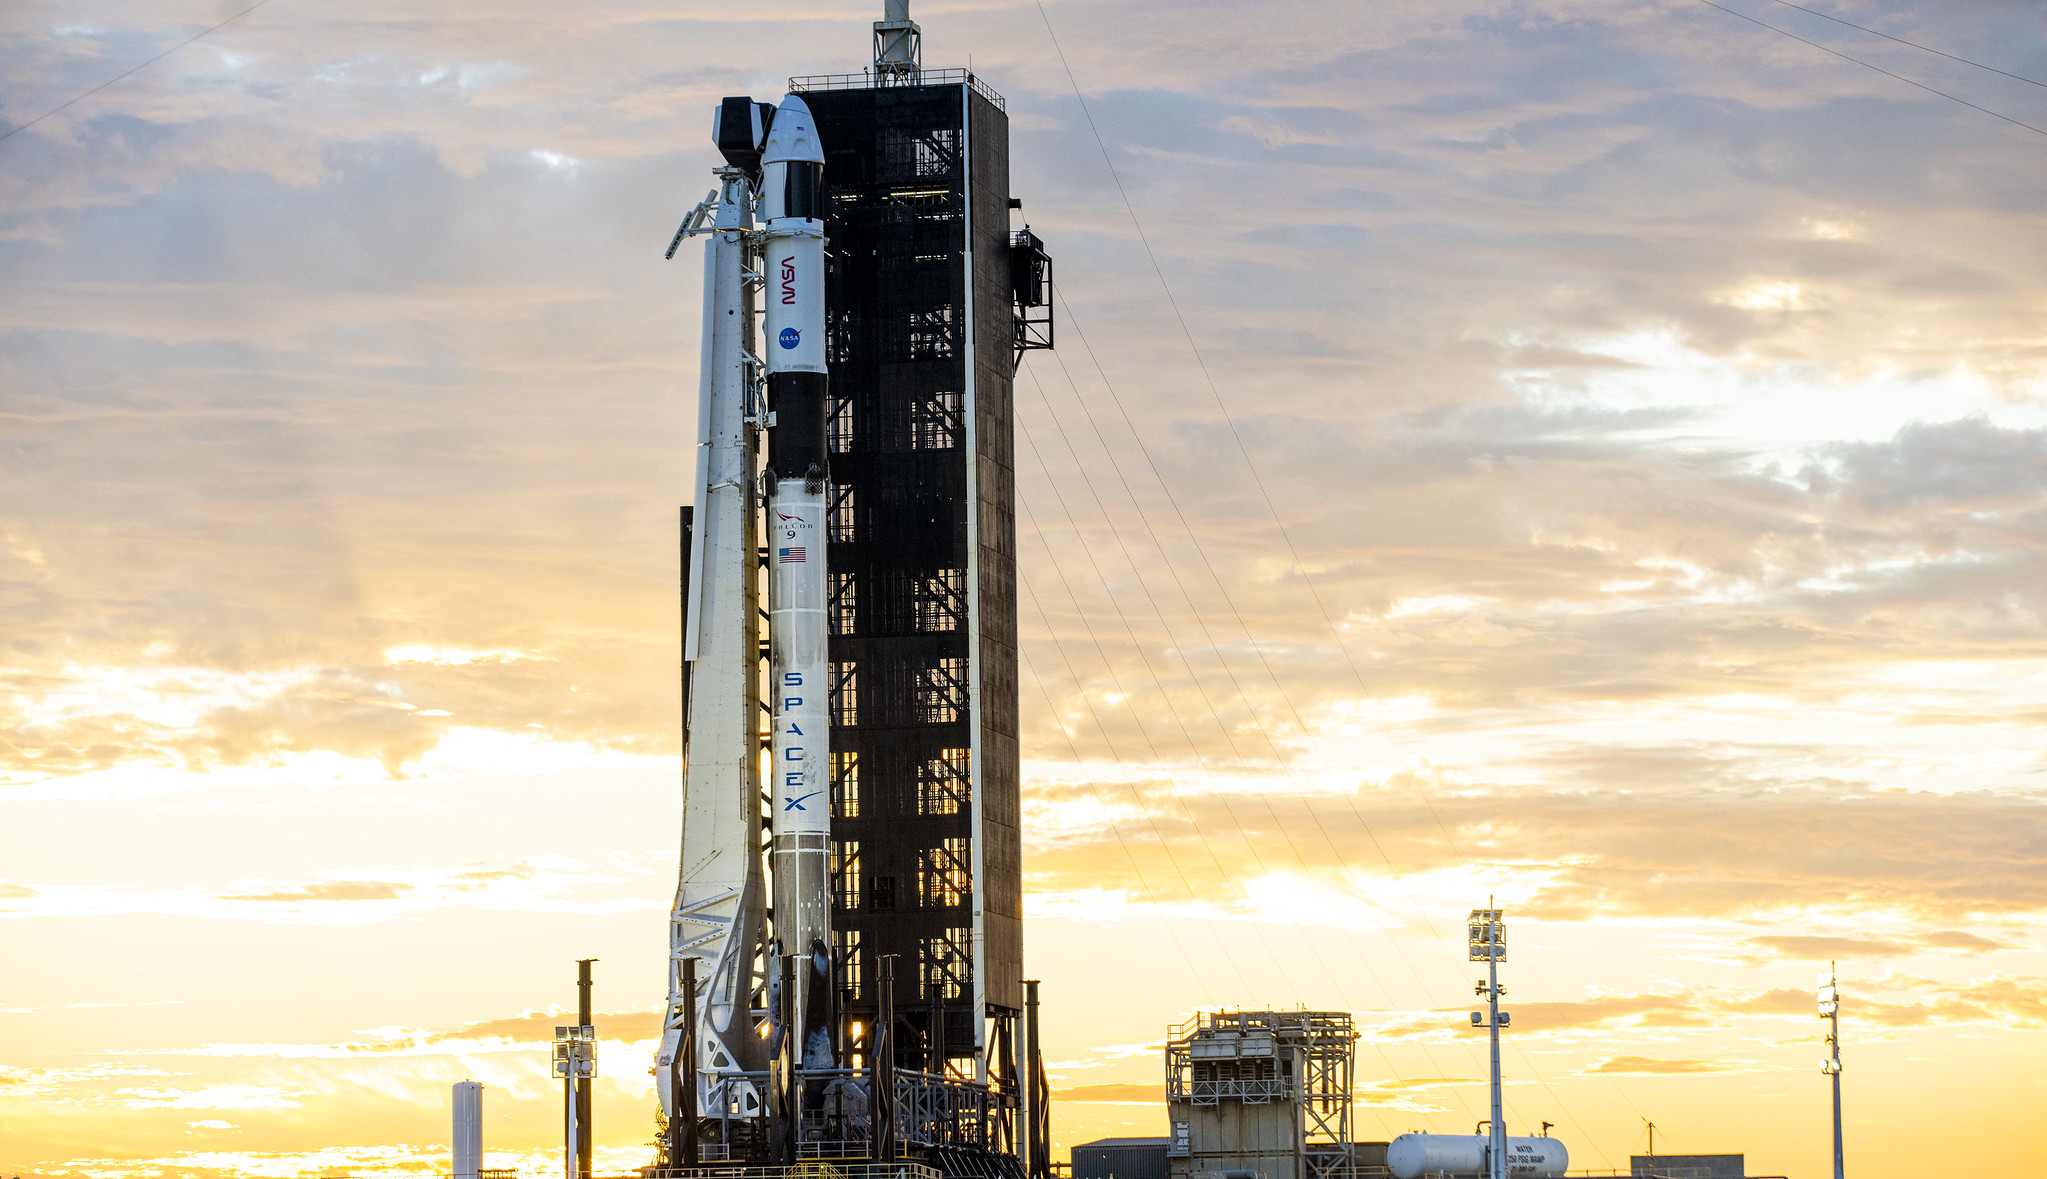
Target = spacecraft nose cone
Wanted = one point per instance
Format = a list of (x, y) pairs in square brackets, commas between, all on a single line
[(792, 138)]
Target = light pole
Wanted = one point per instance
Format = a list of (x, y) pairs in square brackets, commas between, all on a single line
[(1830, 1010), (1487, 942), (575, 1059), (583, 1118)]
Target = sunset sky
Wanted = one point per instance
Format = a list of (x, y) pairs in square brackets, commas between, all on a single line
[(1591, 453)]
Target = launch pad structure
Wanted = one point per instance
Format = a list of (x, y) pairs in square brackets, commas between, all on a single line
[(1263, 1091), (846, 969)]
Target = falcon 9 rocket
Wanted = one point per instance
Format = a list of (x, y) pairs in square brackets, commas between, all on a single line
[(792, 259)]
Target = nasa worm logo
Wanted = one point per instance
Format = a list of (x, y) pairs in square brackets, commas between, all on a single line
[(789, 280), (789, 337)]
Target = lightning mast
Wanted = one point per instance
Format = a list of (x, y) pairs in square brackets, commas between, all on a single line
[(1830, 1010)]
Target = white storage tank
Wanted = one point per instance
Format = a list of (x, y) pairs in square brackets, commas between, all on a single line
[(1412, 1156), (1536, 1156), (468, 1129)]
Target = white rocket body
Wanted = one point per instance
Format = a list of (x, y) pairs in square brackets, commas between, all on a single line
[(720, 914), (719, 918), (792, 210), (792, 267)]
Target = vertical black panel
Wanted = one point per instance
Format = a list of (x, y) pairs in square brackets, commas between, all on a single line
[(995, 508)]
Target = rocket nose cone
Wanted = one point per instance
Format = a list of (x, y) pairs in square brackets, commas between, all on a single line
[(793, 136)]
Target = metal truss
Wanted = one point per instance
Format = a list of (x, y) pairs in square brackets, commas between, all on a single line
[(1266, 1057)]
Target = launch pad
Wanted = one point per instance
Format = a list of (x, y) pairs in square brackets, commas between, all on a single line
[(846, 994)]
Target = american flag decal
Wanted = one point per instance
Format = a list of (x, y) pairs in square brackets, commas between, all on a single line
[(793, 556)]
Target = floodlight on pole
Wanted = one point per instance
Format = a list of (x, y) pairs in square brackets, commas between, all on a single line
[(1829, 996), (575, 1058), (1486, 941)]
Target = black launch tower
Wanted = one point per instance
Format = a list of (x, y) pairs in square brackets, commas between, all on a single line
[(930, 299)]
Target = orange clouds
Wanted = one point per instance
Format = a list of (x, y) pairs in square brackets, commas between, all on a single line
[(335, 890), (1643, 521), (1662, 848), (1641, 1066)]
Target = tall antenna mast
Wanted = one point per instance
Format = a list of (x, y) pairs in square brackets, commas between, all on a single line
[(898, 46), (1830, 1010)]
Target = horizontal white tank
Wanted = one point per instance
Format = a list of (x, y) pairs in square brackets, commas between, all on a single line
[(1412, 1156)]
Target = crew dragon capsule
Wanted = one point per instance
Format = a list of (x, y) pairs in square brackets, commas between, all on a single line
[(792, 261)]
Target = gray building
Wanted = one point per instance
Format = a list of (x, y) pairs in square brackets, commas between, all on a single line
[(1688, 1166), (1121, 1158)]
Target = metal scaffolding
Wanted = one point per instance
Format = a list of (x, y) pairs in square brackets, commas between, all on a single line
[(1295, 1066)]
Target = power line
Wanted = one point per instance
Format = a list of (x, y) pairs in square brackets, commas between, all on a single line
[(1196, 973), (1201, 834), (1236, 613), (1879, 69), (1215, 714), (1137, 796), (1914, 44), (1142, 518), (1279, 524), (1308, 873), (1072, 320), (1307, 579), (152, 61), (1229, 420), (1200, 829)]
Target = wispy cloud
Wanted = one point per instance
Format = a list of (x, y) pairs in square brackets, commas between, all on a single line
[(510, 1034), (1810, 948), (1642, 1066), (357, 897)]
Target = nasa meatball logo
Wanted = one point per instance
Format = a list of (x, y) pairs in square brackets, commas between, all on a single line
[(789, 337)]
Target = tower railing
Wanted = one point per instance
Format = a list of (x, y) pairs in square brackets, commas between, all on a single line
[(867, 80), (810, 1169)]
